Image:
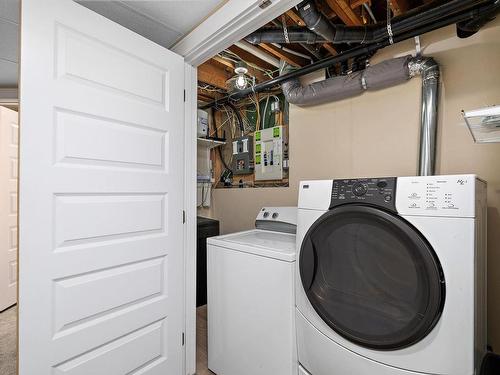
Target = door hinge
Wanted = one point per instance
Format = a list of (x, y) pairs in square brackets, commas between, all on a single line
[(184, 96), (183, 340), (183, 217)]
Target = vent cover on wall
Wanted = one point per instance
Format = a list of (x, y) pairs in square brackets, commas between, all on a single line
[(484, 124)]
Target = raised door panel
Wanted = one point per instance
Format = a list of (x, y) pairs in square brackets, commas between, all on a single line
[(9, 130), (101, 197)]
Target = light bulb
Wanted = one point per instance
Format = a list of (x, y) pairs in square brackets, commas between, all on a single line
[(241, 82)]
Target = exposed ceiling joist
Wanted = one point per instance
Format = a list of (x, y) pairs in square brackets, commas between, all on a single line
[(399, 6), (259, 76), (292, 60), (248, 57), (330, 49), (295, 18), (326, 10), (343, 9), (224, 62), (357, 3), (212, 75), (202, 95), (264, 56)]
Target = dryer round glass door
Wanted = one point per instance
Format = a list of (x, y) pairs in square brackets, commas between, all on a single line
[(372, 277)]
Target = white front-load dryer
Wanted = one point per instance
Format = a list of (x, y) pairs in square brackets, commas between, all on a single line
[(391, 276)]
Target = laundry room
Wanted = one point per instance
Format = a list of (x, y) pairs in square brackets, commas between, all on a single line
[(362, 134), (249, 187)]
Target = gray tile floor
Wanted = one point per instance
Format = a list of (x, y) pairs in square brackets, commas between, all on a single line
[(8, 341)]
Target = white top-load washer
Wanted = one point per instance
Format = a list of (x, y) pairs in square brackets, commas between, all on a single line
[(251, 301), (391, 276)]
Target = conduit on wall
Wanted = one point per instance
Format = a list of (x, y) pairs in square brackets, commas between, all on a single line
[(385, 74)]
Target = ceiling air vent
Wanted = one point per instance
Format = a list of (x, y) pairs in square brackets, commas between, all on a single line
[(484, 124)]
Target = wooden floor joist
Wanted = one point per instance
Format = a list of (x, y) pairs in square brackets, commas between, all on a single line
[(212, 75), (357, 3), (292, 60), (343, 9), (399, 6)]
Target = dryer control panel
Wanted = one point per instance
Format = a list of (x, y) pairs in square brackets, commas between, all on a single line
[(378, 191), (454, 195)]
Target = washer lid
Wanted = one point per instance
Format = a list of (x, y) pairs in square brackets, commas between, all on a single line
[(274, 245)]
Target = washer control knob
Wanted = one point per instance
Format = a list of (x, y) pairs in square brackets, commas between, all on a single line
[(275, 215), (359, 189), (266, 214)]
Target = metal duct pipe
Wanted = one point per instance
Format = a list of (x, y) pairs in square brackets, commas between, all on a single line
[(428, 68), (385, 74), (296, 34)]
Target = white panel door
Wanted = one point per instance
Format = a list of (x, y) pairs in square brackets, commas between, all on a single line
[(9, 131), (101, 197)]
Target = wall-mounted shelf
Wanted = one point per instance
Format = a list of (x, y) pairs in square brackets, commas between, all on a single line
[(210, 143)]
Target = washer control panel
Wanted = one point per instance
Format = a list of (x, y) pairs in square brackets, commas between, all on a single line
[(283, 214), (378, 191)]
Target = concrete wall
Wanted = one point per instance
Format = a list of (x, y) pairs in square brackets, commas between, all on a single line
[(376, 134)]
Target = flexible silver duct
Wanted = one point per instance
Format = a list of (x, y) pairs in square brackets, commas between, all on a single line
[(385, 74)]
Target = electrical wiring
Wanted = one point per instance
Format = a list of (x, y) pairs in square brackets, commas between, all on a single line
[(204, 193), (220, 153), (238, 116), (265, 111), (268, 72), (232, 121), (211, 88)]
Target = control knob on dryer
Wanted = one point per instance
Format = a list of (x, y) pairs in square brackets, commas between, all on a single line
[(359, 189)]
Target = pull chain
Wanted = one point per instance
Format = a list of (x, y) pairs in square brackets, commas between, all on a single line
[(389, 26)]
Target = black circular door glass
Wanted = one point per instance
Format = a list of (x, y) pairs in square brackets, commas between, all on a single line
[(372, 277)]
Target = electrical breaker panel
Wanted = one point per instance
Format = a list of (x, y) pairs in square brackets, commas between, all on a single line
[(269, 152), (242, 155)]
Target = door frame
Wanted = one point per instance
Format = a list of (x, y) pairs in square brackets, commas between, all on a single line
[(228, 24)]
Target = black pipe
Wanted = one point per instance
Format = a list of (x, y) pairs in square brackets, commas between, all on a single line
[(467, 28), (375, 33), (311, 48), (429, 16), (315, 20), (356, 52), (296, 34), (318, 23)]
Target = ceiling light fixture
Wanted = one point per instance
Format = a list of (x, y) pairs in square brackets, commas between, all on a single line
[(241, 69)]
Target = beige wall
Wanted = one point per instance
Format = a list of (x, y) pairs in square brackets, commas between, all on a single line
[(376, 134)]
